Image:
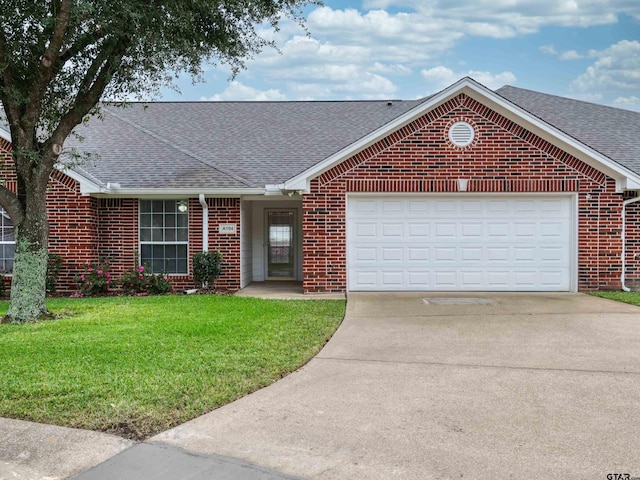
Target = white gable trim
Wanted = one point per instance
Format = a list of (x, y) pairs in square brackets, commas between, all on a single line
[(625, 178)]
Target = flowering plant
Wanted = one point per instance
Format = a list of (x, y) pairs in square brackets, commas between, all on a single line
[(95, 279), (139, 281)]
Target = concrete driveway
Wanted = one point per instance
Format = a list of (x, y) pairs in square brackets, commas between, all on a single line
[(479, 386)]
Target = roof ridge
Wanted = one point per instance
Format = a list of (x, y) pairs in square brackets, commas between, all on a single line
[(265, 102), (598, 105), (179, 148), (557, 127)]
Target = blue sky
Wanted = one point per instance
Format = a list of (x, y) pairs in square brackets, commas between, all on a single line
[(381, 49)]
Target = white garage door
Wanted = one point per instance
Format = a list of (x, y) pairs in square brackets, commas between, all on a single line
[(449, 243)]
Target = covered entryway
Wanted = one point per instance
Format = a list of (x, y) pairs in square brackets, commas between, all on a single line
[(460, 242)]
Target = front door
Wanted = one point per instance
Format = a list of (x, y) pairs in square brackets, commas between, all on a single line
[(280, 244)]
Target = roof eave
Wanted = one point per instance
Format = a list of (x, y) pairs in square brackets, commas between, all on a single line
[(171, 193), (625, 178)]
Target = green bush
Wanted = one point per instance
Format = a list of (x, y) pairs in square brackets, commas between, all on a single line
[(139, 281), (96, 278), (206, 268), (160, 284)]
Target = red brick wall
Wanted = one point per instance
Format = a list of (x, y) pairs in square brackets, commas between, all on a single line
[(72, 220), (73, 228), (118, 233), (118, 227), (419, 158), (226, 210), (85, 229), (632, 252)]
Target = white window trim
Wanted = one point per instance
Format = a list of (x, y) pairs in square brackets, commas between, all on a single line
[(4, 213), (184, 242)]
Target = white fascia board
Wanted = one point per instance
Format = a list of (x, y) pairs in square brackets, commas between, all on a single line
[(171, 193), (87, 187), (6, 135), (623, 176)]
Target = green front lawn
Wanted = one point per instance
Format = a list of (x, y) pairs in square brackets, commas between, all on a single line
[(135, 366), (627, 297)]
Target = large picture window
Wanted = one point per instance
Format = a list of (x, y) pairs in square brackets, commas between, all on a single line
[(164, 235), (7, 243)]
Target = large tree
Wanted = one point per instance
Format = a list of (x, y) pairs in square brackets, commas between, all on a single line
[(59, 58)]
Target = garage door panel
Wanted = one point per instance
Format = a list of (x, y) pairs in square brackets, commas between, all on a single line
[(418, 254), (445, 230), (419, 280), (471, 243), (365, 230), (472, 254)]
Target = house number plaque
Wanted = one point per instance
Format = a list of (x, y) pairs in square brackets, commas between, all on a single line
[(228, 228)]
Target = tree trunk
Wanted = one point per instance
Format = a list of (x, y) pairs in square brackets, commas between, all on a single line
[(28, 285)]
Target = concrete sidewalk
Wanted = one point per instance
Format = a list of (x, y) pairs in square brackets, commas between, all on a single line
[(33, 451), (412, 386)]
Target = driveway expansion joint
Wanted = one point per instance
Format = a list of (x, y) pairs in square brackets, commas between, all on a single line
[(471, 365)]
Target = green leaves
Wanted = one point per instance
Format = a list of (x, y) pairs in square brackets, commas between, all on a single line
[(118, 49)]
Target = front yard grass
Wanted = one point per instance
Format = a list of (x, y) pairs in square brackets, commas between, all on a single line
[(135, 366), (627, 297)]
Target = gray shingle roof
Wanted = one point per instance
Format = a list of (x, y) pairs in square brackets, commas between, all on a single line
[(613, 132), (224, 144), (238, 145)]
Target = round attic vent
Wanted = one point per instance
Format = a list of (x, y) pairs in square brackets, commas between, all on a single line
[(461, 134)]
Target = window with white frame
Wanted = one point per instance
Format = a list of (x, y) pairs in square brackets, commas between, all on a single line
[(164, 235), (7, 242)]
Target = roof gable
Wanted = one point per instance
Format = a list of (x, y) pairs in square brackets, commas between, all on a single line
[(625, 177)]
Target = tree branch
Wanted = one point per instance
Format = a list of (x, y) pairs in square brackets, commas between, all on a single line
[(47, 64), (8, 82), (92, 87), (12, 205), (80, 45)]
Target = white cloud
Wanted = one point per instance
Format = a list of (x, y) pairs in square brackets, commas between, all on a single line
[(441, 77), (505, 18), (632, 102), (395, 69), (236, 91), (571, 55), (369, 52), (617, 67), (566, 55), (403, 37)]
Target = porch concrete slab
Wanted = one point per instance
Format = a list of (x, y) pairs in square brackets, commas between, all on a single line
[(538, 386), (30, 451), (284, 290)]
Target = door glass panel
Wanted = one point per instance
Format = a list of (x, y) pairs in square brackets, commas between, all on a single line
[(280, 244)]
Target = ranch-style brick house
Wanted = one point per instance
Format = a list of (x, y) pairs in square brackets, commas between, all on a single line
[(466, 190)]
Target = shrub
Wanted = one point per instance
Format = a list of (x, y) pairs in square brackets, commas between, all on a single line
[(135, 281), (96, 278), (139, 281), (206, 268), (160, 284), (53, 271)]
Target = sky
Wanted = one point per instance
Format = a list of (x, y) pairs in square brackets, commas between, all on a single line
[(407, 49)]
